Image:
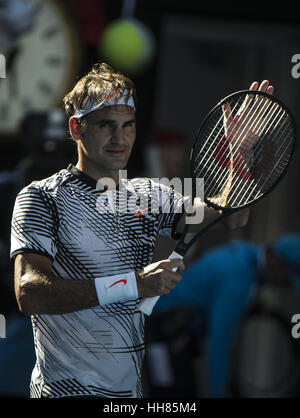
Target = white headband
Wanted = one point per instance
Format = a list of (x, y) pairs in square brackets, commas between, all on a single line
[(109, 100)]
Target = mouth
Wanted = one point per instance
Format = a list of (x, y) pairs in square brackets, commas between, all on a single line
[(115, 152)]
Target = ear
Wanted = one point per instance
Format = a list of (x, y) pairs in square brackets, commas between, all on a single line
[(74, 128)]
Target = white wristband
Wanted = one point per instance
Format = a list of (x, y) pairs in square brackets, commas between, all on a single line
[(117, 288)]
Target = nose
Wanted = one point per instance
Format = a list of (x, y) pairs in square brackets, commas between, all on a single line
[(117, 136)]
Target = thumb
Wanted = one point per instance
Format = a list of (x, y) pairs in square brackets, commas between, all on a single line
[(175, 263)]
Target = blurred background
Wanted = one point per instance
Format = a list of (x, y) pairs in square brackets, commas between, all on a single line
[(183, 58)]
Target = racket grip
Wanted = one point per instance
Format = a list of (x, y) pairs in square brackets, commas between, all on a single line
[(146, 305)]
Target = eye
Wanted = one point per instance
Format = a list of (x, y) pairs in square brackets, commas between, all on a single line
[(105, 125), (130, 125)]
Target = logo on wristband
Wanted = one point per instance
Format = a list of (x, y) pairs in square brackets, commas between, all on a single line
[(124, 281)]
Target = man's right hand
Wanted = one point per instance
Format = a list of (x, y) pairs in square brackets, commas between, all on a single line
[(158, 278)]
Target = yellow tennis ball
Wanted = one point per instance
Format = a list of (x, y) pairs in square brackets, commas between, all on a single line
[(128, 45)]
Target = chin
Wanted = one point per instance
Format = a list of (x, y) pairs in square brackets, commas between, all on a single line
[(118, 166)]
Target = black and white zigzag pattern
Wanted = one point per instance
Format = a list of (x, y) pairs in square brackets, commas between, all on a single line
[(95, 351)]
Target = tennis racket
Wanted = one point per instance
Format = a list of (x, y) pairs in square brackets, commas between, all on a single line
[(242, 150)]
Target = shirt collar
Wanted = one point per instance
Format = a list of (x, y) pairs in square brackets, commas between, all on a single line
[(80, 175), (89, 181)]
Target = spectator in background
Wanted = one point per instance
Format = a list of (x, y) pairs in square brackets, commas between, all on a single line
[(224, 282)]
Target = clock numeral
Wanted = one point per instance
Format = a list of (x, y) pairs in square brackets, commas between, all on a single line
[(45, 88), (54, 61), (50, 32)]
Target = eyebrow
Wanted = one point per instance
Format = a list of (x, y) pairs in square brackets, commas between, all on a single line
[(111, 121)]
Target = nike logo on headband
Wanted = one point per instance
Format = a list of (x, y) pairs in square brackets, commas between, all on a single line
[(109, 96)]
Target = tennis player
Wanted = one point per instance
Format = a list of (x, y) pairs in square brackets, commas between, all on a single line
[(81, 269)]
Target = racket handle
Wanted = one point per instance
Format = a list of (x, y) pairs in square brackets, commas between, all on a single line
[(146, 305)]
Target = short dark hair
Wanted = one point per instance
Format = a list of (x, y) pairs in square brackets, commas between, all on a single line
[(99, 82)]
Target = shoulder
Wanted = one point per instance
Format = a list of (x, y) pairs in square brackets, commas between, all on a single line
[(48, 185), (42, 195), (53, 182)]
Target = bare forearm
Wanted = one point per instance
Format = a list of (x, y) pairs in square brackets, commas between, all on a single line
[(46, 294), (38, 291)]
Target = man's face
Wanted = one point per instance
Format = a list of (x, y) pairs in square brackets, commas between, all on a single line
[(109, 137)]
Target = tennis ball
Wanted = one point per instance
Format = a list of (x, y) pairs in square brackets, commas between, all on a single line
[(127, 45)]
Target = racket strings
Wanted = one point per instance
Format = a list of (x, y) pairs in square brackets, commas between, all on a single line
[(240, 183), (262, 183), (226, 140), (236, 150), (222, 152), (218, 125), (224, 146), (239, 163), (281, 163)]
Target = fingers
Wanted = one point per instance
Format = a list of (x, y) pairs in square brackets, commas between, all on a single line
[(259, 103), (266, 87), (263, 86), (174, 264), (171, 273), (227, 115), (254, 85), (226, 110), (158, 279), (165, 281)]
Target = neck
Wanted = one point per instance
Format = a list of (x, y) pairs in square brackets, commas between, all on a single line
[(92, 170)]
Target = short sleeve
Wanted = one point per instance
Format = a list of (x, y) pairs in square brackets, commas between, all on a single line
[(34, 223), (172, 209)]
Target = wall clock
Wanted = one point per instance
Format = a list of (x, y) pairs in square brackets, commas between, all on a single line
[(42, 64)]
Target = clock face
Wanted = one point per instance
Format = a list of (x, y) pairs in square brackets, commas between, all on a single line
[(42, 68)]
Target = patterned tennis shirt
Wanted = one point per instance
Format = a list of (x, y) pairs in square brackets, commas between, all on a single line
[(97, 351)]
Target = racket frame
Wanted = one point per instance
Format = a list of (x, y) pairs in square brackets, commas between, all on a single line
[(182, 247)]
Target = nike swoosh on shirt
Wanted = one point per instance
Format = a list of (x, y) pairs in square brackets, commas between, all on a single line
[(124, 281), (139, 212)]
